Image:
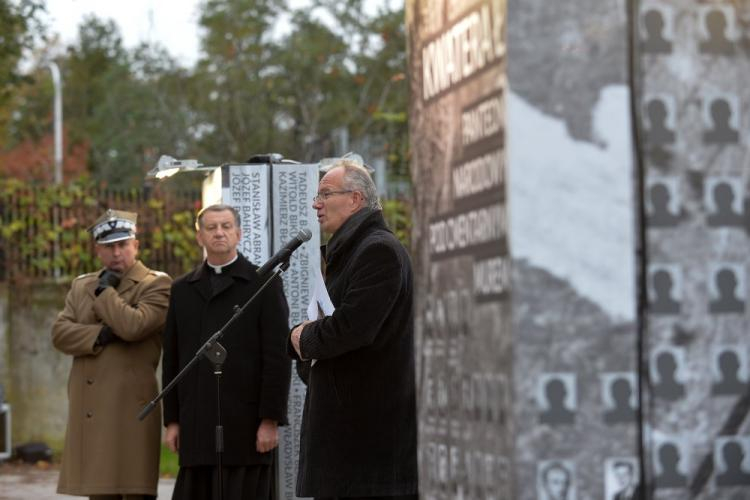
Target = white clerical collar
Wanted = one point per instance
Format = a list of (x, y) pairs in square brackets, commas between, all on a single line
[(217, 268)]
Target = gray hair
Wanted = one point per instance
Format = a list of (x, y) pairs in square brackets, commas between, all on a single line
[(357, 178), (219, 207)]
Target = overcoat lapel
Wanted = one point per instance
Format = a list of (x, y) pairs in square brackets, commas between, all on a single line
[(135, 274), (219, 285), (201, 282), (91, 289)]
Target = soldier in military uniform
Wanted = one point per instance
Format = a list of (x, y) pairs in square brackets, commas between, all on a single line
[(111, 325)]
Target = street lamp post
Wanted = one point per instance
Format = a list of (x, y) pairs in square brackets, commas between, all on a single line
[(57, 82)]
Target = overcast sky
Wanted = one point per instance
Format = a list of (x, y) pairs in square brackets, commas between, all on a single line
[(173, 23)]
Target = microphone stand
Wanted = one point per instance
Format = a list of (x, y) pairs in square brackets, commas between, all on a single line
[(216, 353)]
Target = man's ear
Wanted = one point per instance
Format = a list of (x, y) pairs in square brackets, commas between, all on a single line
[(359, 199)]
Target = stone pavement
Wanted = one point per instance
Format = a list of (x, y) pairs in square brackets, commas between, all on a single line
[(30, 482)]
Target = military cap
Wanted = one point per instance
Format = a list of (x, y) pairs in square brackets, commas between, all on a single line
[(114, 225)]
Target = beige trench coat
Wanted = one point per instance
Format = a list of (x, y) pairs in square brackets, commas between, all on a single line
[(107, 449)]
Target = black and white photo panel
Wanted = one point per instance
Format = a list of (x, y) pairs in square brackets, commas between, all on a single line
[(663, 202), (556, 398), (732, 459), (729, 370), (555, 480), (718, 31), (667, 366), (671, 465), (665, 288), (721, 118), (723, 199), (726, 288), (619, 397), (657, 28), (621, 478), (659, 116)]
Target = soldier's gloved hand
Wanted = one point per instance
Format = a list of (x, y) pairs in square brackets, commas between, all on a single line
[(107, 278), (106, 336)]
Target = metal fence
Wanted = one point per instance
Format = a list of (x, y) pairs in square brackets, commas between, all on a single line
[(43, 229)]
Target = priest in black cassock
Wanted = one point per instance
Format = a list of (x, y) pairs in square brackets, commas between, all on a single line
[(256, 372)]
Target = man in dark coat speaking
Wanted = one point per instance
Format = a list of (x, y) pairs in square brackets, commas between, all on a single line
[(256, 372), (359, 430)]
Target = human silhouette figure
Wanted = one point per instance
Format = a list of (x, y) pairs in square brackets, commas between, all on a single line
[(725, 214), (556, 412), (730, 383), (722, 132), (717, 43), (668, 387), (655, 41), (658, 133), (662, 302), (661, 216), (733, 475), (670, 477), (727, 302), (621, 394)]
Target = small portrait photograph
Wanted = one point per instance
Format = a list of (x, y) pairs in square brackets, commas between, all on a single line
[(659, 118), (555, 480), (732, 459), (671, 463), (621, 479), (662, 202), (656, 25), (729, 370), (723, 199), (667, 365), (726, 288), (721, 118), (718, 31), (664, 288), (556, 398), (620, 397)]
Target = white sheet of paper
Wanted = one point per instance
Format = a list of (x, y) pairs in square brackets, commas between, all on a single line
[(319, 298)]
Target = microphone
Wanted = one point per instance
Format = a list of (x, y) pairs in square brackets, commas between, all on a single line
[(286, 252)]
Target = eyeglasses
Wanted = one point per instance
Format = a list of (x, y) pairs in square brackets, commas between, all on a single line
[(324, 196)]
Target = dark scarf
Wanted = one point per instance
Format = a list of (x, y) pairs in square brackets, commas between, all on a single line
[(351, 231)]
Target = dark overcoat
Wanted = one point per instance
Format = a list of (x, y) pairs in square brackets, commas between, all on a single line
[(359, 431), (107, 449), (256, 373)]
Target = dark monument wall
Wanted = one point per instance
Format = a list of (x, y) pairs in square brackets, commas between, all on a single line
[(457, 52), (694, 62), (527, 224)]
